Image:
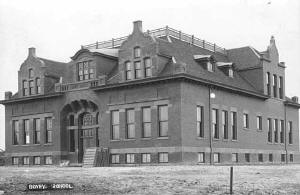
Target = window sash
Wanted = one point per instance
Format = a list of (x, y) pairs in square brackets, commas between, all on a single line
[(234, 125), (130, 158), (259, 122), (163, 121), (115, 158), (137, 52), (215, 125), (163, 157), (201, 157), (137, 70), (37, 160), (225, 123), (146, 158)]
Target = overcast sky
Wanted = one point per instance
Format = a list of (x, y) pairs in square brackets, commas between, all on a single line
[(57, 29)]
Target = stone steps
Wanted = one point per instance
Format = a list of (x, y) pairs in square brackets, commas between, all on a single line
[(89, 157)]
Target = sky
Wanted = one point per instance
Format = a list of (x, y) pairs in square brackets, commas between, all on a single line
[(58, 28)]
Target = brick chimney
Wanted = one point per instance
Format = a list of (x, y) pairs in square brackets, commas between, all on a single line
[(31, 52), (137, 26), (8, 95)]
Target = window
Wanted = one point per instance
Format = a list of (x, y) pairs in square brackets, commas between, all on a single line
[(115, 158), (225, 124), (38, 85), (230, 72), (25, 88), (270, 157), (48, 160), (146, 158), (87, 119), (146, 122), (31, 87), (281, 131), (268, 83), (115, 122), (215, 124), (137, 52), (128, 72), (137, 70), (209, 66), (130, 125), (200, 125), (30, 73), (216, 157), (25, 160), (48, 130), (291, 157), (130, 158), (280, 87), (247, 157), (71, 120), (16, 132), (37, 130), (201, 157), (260, 158), (246, 120), (290, 128), (259, 123), (282, 157), (275, 130), (26, 131), (234, 157), (233, 125), (15, 160), (269, 130), (163, 157), (36, 160), (148, 67), (163, 121), (85, 71), (275, 85)]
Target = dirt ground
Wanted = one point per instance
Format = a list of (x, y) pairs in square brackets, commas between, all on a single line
[(155, 179)]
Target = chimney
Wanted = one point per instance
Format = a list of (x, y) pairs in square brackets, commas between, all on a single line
[(8, 95), (295, 99), (272, 40), (31, 52), (137, 26)]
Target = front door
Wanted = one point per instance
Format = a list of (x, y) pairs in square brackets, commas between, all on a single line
[(87, 139)]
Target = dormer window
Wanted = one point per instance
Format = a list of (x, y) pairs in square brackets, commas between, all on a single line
[(137, 52), (209, 66), (207, 62), (230, 72), (227, 68), (85, 71), (30, 73)]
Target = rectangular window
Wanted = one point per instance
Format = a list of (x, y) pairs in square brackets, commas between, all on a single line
[(281, 131), (48, 160), (130, 124), (269, 130), (163, 120), (31, 87), (282, 157), (130, 158), (148, 67), (200, 125), (128, 71), (48, 130), (260, 158), (275, 130), (209, 66), (38, 85), (290, 128), (85, 71), (26, 131), (146, 158), (246, 120), (259, 123), (25, 88), (16, 132), (280, 87), (163, 157), (137, 70), (268, 80), (234, 157), (247, 157), (216, 157), (15, 160), (275, 85), (270, 157), (225, 124), (36, 160), (115, 158), (31, 73), (115, 125), (215, 125), (146, 122), (291, 157), (201, 157), (233, 125), (37, 130), (25, 160), (137, 52)]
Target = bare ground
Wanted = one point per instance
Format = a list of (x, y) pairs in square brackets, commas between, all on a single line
[(156, 179)]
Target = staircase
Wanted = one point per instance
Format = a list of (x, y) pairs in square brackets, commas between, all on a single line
[(89, 158)]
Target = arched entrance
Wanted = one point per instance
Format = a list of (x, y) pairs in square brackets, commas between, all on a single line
[(81, 128)]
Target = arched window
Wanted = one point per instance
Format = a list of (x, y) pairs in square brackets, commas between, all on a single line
[(25, 88), (30, 73), (137, 52), (87, 119), (38, 85), (97, 118), (71, 120)]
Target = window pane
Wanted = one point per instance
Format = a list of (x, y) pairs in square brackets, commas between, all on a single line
[(115, 117), (163, 113), (163, 128), (147, 129), (130, 116)]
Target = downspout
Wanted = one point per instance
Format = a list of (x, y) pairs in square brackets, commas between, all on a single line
[(209, 124), (285, 129)]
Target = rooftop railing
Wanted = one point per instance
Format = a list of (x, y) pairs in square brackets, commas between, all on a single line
[(161, 32)]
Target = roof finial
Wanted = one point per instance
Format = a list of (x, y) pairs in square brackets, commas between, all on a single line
[(272, 40)]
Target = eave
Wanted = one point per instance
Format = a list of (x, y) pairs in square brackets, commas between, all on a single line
[(29, 98), (292, 104)]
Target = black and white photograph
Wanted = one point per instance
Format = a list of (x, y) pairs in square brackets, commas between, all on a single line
[(150, 97)]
